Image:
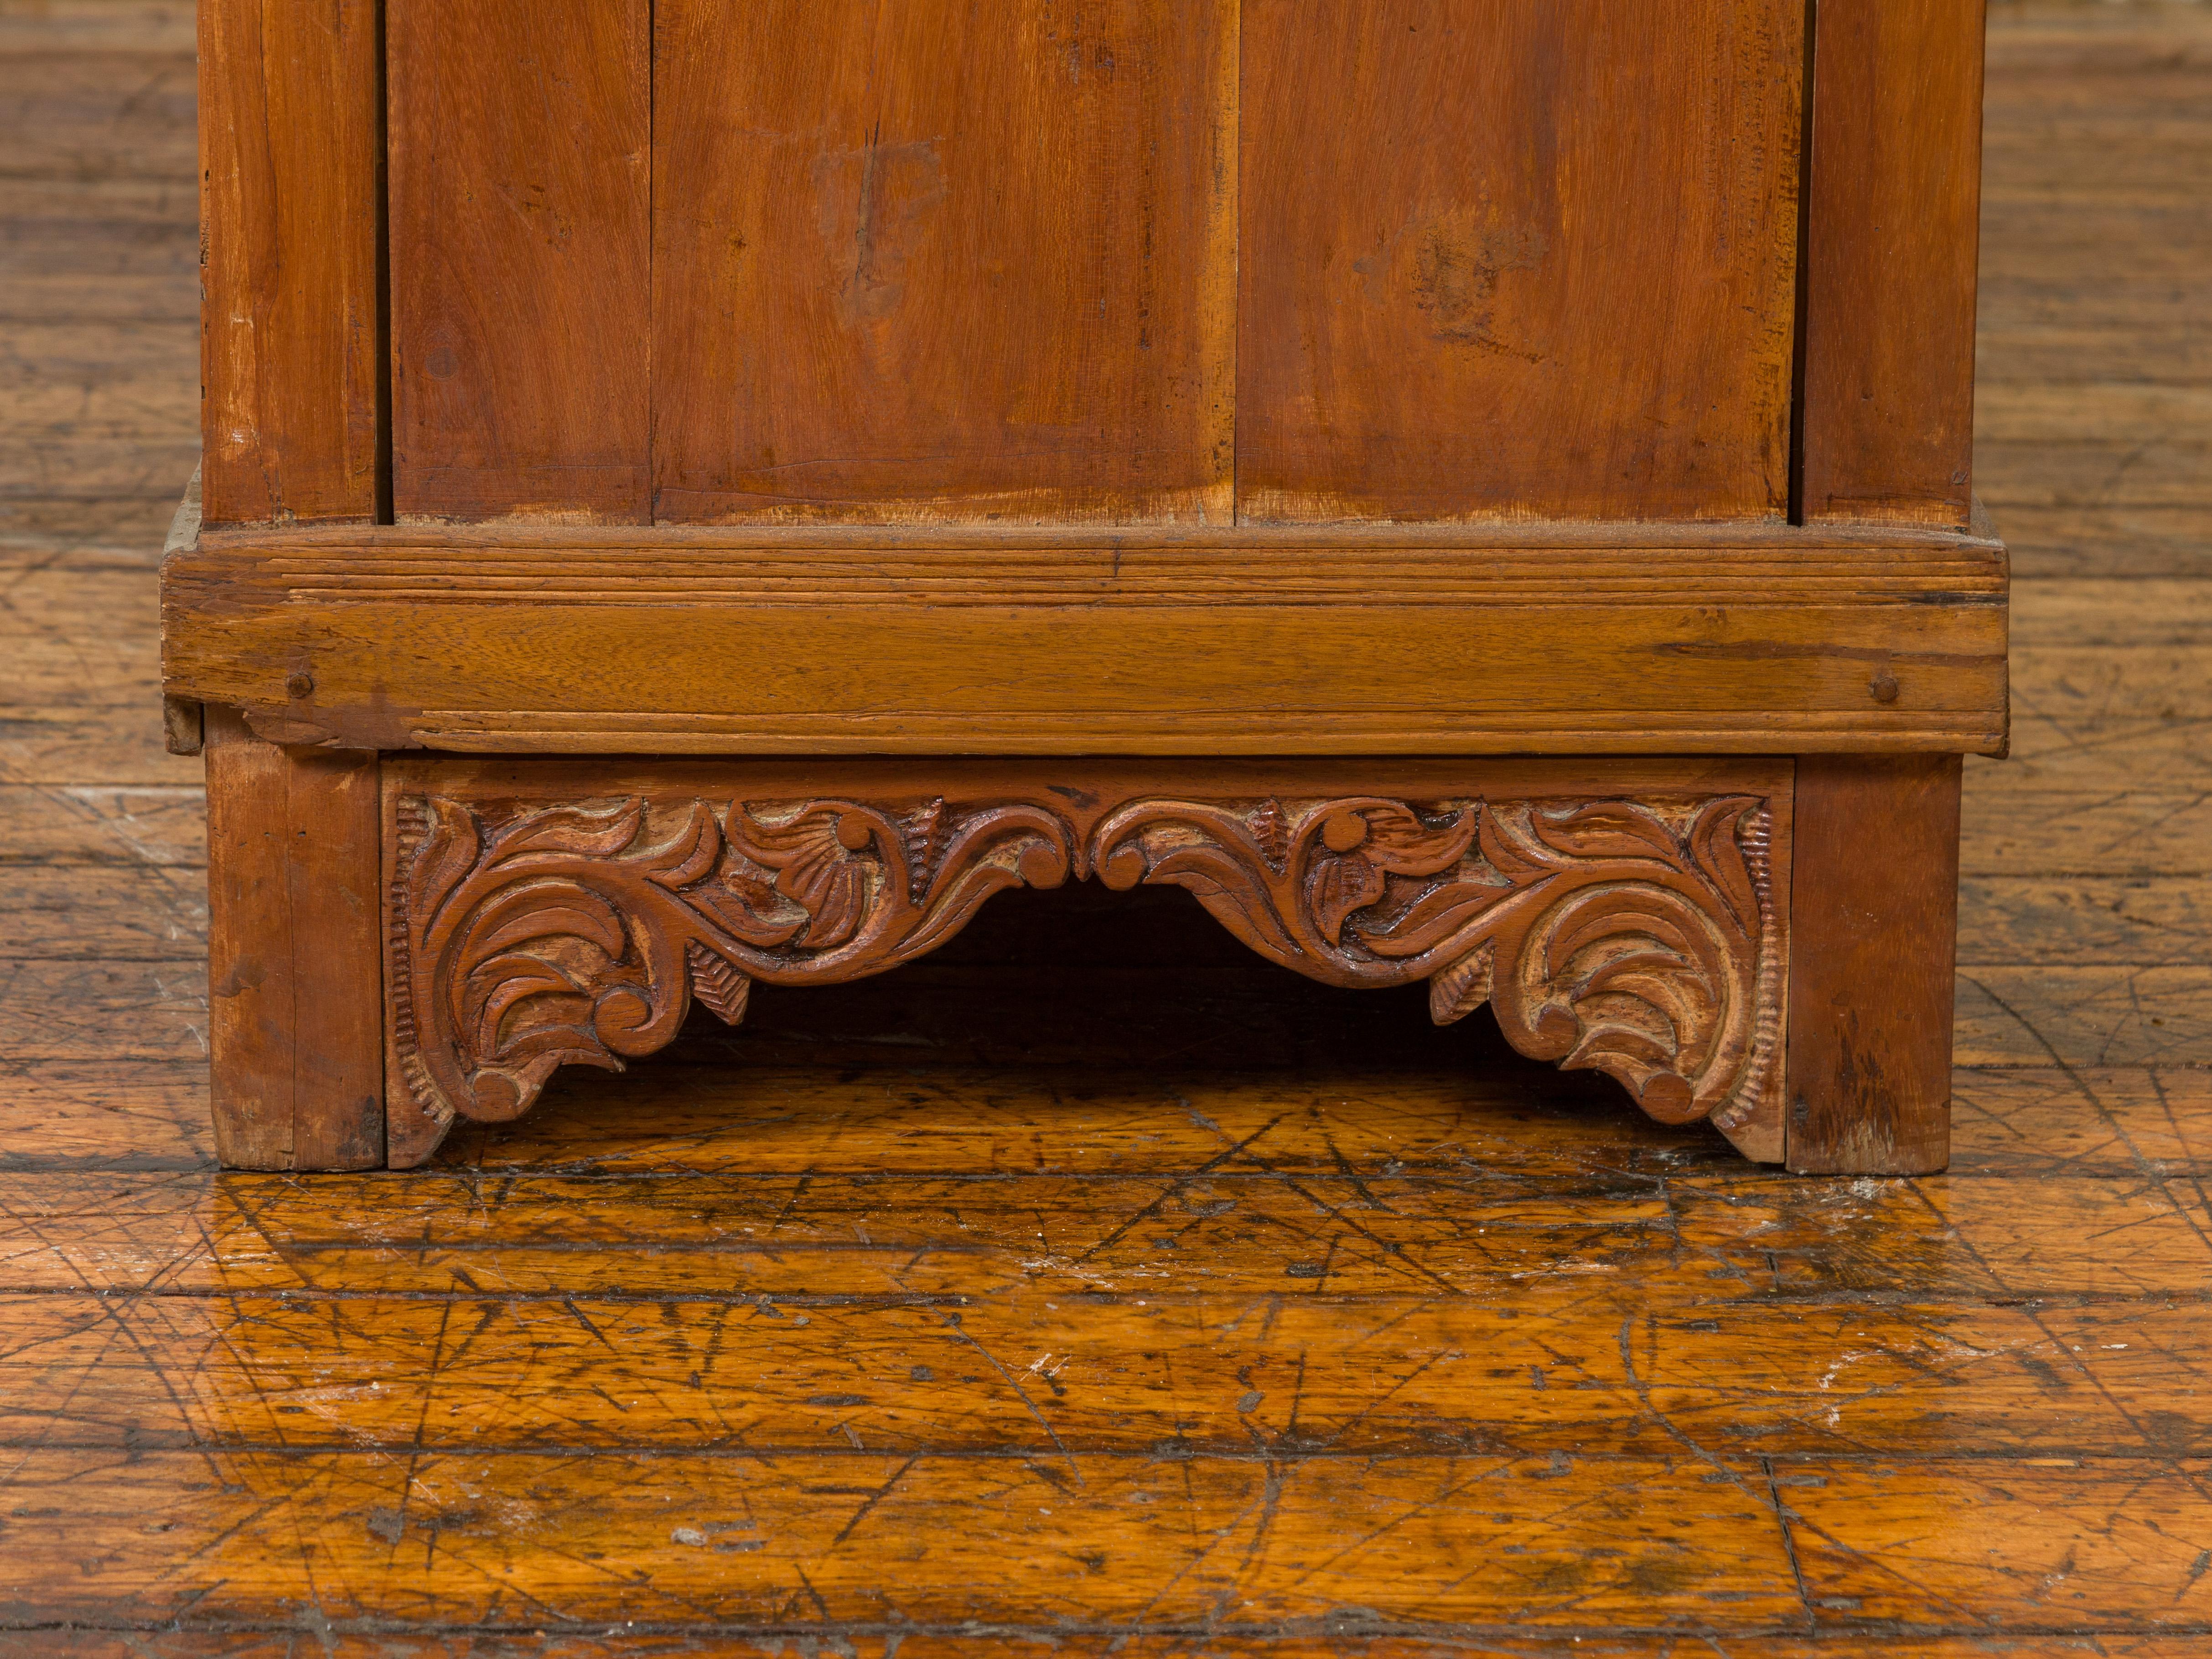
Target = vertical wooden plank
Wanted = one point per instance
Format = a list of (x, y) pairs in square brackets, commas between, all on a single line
[(1874, 926), (1518, 258), (295, 975), (922, 263), (520, 259), (1892, 227), (291, 170)]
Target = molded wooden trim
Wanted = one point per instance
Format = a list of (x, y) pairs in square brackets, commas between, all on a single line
[(870, 541), (1568, 640)]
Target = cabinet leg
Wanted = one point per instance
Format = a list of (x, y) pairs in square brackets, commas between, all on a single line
[(1873, 927), (295, 978)]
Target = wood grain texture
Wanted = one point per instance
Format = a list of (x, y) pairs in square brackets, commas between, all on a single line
[(1874, 893), (1548, 1372), (61, 913), (2013, 1348), (1448, 1108), (71, 1011), (90, 824), (1170, 1214), (80, 672), (927, 263), (1893, 201), (1582, 639), (1060, 1644), (543, 916), (2097, 259), (107, 1115), (1153, 1545), (294, 978), (291, 176), (1440, 201), (98, 274), (521, 260), (1145, 1542)]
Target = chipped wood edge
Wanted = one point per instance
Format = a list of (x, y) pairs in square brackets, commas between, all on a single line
[(184, 720)]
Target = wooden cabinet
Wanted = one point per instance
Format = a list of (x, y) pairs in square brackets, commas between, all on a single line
[(1476, 491)]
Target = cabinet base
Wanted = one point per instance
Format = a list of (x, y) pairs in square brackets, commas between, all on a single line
[(1644, 918)]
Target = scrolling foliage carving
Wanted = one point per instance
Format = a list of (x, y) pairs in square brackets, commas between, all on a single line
[(557, 939), (1602, 933), (1635, 937)]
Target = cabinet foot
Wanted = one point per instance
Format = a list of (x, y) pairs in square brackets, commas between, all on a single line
[(295, 982), (1874, 901)]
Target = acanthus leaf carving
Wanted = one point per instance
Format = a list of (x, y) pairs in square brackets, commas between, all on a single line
[(1636, 937), (718, 983), (1614, 938), (1457, 991), (924, 844), (815, 856), (1271, 831), (556, 938)]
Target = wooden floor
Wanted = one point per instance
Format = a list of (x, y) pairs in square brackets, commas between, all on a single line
[(1232, 1315)]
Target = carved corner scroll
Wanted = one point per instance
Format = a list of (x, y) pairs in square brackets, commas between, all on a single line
[(1609, 934), (1640, 937), (570, 935)]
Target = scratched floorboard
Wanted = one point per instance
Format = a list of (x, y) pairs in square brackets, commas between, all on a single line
[(1340, 1637), (1092, 1288)]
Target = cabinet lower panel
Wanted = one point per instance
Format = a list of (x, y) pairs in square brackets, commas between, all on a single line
[(1625, 916)]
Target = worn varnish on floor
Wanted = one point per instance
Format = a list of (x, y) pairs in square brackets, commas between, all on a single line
[(1223, 1315)]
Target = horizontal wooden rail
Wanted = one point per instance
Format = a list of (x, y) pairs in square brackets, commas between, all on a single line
[(1554, 639)]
